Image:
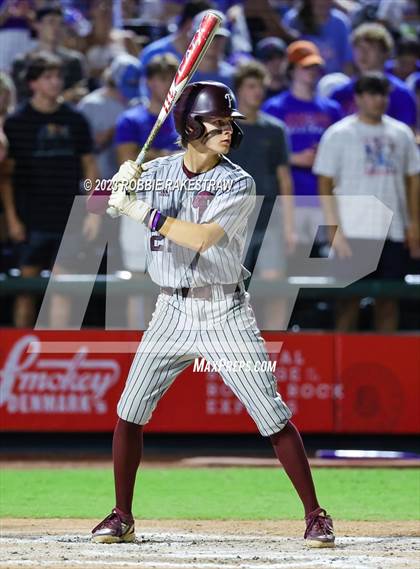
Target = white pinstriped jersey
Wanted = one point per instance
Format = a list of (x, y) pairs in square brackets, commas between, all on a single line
[(182, 329), (224, 194)]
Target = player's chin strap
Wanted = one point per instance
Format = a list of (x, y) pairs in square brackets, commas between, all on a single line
[(236, 137), (210, 134)]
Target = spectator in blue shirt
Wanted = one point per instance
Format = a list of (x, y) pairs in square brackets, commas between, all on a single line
[(372, 46), (306, 116), (407, 59), (134, 125), (133, 128), (327, 28)]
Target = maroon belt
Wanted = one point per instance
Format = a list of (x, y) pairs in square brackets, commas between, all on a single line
[(203, 292)]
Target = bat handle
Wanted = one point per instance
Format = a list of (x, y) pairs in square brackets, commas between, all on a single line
[(142, 155)]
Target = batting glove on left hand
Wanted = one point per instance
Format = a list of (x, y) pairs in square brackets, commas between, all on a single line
[(123, 197)]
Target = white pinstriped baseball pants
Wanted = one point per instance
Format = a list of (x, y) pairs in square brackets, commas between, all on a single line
[(184, 329)]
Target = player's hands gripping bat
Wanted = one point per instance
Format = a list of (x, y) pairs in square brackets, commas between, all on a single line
[(123, 198), (194, 54)]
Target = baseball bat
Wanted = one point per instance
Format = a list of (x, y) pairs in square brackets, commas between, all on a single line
[(194, 54)]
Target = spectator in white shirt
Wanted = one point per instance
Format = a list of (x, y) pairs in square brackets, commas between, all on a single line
[(371, 154)]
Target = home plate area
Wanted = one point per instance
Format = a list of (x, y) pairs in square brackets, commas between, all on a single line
[(203, 549)]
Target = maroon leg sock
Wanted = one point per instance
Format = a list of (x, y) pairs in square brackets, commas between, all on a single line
[(290, 451), (127, 450)]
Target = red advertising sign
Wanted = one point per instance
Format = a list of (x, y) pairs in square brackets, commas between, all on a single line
[(71, 381), (381, 383), (72, 390), (306, 379)]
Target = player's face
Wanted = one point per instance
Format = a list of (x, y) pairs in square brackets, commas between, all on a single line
[(49, 84), (218, 137), (372, 105), (368, 56), (251, 93)]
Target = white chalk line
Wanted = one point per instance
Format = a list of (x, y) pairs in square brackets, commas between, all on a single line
[(145, 537), (359, 563), (299, 557)]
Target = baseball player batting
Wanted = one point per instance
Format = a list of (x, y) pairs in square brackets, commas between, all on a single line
[(195, 206)]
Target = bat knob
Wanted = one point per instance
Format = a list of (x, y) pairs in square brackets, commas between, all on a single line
[(113, 212)]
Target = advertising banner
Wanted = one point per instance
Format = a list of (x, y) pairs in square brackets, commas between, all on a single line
[(380, 376), (71, 381)]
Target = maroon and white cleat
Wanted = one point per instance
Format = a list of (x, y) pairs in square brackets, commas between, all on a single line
[(319, 529), (115, 528)]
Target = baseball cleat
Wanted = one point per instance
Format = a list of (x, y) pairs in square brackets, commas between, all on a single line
[(319, 529), (114, 529)]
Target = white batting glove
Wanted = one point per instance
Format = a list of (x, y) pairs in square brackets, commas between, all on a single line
[(123, 198)]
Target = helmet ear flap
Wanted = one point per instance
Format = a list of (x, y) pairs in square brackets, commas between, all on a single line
[(237, 135), (194, 129)]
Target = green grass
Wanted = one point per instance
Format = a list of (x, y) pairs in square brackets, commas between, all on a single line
[(216, 493)]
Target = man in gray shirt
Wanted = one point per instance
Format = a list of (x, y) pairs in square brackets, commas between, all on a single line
[(264, 154), (103, 107)]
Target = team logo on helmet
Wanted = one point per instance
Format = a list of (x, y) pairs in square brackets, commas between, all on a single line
[(229, 98)]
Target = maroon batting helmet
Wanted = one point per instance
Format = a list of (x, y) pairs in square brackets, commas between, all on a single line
[(205, 99)]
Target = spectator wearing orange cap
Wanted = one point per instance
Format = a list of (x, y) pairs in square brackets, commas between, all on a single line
[(307, 116)]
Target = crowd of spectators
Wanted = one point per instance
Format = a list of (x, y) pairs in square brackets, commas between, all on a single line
[(330, 89)]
